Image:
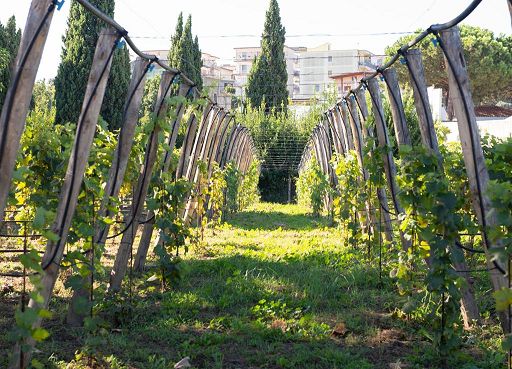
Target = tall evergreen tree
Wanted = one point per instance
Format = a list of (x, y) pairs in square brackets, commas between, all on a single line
[(268, 76), (112, 108), (184, 53), (10, 37), (198, 63), (174, 57), (76, 61)]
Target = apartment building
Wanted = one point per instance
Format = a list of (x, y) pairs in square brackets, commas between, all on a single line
[(318, 65), (244, 58), (309, 69), (217, 79)]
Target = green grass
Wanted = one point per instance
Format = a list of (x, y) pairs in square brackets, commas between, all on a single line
[(266, 291)]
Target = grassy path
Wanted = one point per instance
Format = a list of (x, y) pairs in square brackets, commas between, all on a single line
[(273, 288)]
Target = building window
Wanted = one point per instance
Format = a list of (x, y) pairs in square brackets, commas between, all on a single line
[(329, 73), (329, 59), (244, 68), (317, 88)]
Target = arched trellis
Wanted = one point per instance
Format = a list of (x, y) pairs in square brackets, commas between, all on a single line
[(206, 139), (345, 120)]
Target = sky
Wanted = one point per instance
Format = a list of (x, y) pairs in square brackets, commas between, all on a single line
[(222, 25)]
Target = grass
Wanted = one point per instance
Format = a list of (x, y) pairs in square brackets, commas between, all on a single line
[(272, 288)]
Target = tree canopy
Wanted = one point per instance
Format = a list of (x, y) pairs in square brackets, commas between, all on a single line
[(268, 77), (76, 61), (184, 53), (10, 37), (488, 57)]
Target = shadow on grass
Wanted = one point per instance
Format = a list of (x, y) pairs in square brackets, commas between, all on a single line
[(272, 220), (210, 316)]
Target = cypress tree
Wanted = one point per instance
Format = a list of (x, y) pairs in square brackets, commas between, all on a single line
[(112, 108), (187, 51), (76, 61), (174, 57), (184, 53), (268, 76), (10, 37), (198, 63)]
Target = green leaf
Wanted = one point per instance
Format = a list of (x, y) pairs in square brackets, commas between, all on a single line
[(40, 334)]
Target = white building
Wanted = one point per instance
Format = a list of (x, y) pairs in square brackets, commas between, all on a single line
[(245, 56), (309, 69), (317, 66), (217, 79)]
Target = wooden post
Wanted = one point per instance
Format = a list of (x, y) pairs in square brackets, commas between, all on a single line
[(139, 196), (414, 61), (346, 125), (198, 141), (149, 225), (19, 94), (209, 123), (341, 130), (223, 142), (187, 147), (387, 158), (355, 125), (474, 160), (74, 174), (510, 9), (402, 134), (175, 127), (419, 87), (75, 316), (380, 192)]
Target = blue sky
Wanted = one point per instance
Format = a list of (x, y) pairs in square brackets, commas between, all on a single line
[(224, 24)]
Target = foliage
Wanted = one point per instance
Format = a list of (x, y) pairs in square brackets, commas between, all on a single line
[(248, 193), (114, 101), (184, 53), (432, 221), (312, 187), (348, 204), (241, 190), (266, 84), (488, 58), (10, 37), (147, 106), (76, 61)]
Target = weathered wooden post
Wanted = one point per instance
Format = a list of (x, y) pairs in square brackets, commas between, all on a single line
[(76, 315), (402, 134), (346, 125), (387, 157), (338, 122), (19, 93), (380, 192), (474, 160), (419, 86), (139, 196), (414, 61), (77, 163), (355, 126), (187, 145), (149, 225)]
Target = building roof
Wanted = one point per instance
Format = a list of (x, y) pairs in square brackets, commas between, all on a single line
[(492, 111), (351, 74)]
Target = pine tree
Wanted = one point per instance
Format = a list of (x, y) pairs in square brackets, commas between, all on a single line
[(76, 61), (10, 37), (268, 76)]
